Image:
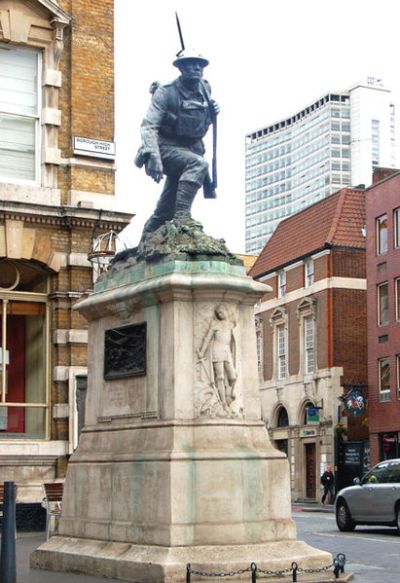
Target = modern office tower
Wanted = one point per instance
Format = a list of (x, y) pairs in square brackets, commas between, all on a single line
[(336, 141)]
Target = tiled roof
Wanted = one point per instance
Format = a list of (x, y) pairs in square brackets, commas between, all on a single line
[(334, 221)]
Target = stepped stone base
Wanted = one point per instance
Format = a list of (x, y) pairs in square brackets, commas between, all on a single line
[(174, 464), (156, 564)]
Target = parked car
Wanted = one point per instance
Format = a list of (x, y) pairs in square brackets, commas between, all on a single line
[(375, 499)]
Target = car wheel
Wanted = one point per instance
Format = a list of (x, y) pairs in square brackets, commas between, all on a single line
[(398, 517), (343, 517)]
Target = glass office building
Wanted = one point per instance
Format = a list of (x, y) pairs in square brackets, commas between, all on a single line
[(334, 142)]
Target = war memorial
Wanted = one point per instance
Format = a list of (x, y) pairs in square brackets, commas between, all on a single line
[(174, 465)]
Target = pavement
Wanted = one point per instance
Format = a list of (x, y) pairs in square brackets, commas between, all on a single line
[(27, 542), (306, 506)]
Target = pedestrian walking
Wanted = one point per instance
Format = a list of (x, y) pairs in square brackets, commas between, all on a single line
[(328, 482)]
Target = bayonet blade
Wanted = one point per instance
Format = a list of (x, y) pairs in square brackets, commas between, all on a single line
[(178, 24)]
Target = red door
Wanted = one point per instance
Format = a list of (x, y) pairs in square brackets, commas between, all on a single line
[(15, 372)]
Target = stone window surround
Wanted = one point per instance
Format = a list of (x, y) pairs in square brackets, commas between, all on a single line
[(307, 307), (50, 114), (275, 416), (279, 317)]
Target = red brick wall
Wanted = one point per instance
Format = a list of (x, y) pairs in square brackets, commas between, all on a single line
[(295, 278), (321, 267), (350, 334), (323, 330), (349, 263), (384, 417)]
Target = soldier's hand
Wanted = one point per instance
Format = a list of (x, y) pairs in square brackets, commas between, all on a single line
[(154, 168), (215, 106), (157, 176)]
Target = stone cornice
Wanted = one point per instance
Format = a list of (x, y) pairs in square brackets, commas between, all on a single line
[(58, 15), (63, 216)]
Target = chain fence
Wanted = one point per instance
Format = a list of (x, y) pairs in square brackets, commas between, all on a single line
[(337, 567)]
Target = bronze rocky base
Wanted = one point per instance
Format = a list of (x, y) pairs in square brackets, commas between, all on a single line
[(177, 239)]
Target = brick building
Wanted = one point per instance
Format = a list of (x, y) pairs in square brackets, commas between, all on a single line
[(56, 85), (383, 276), (312, 333)]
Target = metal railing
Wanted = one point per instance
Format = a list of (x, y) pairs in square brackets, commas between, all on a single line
[(337, 566)]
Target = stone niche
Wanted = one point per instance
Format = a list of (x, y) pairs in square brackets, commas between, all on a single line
[(169, 469)]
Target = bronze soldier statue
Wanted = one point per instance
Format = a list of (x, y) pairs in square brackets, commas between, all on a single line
[(178, 118)]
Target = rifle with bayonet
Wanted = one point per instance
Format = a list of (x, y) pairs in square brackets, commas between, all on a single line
[(209, 184)]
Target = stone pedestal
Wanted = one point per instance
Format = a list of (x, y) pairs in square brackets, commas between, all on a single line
[(166, 473)]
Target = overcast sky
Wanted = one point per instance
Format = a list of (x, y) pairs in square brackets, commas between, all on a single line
[(268, 59)]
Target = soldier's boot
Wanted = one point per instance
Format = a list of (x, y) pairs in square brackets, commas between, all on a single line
[(152, 224), (184, 199)]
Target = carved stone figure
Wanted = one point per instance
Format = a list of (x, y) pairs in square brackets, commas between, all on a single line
[(217, 359), (172, 130)]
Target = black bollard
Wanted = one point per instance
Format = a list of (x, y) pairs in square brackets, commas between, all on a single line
[(294, 571), (188, 572), (253, 568), (8, 567)]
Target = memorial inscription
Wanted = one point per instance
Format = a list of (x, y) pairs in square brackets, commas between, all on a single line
[(125, 351)]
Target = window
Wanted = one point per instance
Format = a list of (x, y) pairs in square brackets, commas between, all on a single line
[(281, 283), (376, 475), (381, 235), (19, 113), (283, 418), (397, 296), (392, 475), (396, 223), (24, 342), (309, 272), (281, 351), (390, 449), (309, 344), (375, 142), (383, 312), (384, 379)]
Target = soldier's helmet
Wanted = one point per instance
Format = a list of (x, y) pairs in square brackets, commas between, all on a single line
[(189, 54)]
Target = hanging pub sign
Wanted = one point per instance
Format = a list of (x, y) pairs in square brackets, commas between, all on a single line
[(354, 401), (312, 415)]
